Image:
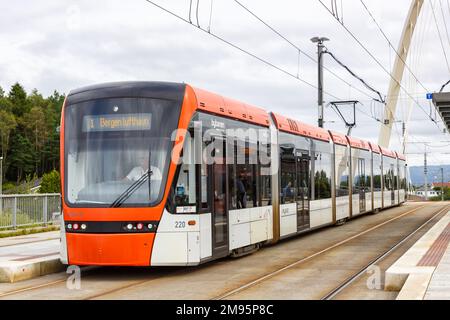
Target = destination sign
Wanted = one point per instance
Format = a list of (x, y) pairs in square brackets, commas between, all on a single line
[(117, 122)]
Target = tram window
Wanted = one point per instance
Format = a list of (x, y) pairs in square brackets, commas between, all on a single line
[(245, 186), (359, 176), (322, 176), (376, 172), (402, 175), (342, 174), (265, 177), (204, 186), (266, 190), (204, 199), (231, 161), (246, 178), (389, 177), (368, 171), (287, 175), (185, 188)]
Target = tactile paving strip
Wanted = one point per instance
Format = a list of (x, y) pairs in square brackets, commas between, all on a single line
[(437, 250)]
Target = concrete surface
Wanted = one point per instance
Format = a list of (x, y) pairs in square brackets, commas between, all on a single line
[(29, 256), (217, 278), (439, 285), (406, 275)]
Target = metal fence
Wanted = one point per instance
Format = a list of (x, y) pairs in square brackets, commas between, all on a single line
[(29, 210)]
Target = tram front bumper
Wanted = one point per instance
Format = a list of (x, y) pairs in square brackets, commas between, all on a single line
[(110, 249)]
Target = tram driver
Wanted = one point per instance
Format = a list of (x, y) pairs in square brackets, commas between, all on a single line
[(137, 172)]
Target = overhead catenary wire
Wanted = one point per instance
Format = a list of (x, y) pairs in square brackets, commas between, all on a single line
[(380, 97), (198, 5), (445, 23), (439, 34), (296, 46), (268, 63), (443, 87), (190, 11), (249, 53), (391, 45), (210, 16), (377, 61)]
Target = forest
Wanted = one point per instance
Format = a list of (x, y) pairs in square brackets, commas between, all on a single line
[(29, 137)]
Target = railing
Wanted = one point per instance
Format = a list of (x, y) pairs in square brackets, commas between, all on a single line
[(29, 210)]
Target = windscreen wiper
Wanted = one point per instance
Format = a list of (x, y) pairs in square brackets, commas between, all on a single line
[(131, 189)]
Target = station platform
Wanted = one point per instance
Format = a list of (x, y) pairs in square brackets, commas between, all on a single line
[(423, 272), (29, 256)]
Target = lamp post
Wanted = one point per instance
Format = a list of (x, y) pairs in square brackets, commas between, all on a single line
[(320, 49)]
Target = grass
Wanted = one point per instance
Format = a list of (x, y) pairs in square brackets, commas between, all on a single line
[(26, 231), (6, 219)]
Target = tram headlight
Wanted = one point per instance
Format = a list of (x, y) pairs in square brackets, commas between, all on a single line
[(129, 226), (150, 226), (69, 226), (83, 227)]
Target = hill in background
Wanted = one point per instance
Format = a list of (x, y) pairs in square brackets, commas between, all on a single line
[(434, 174)]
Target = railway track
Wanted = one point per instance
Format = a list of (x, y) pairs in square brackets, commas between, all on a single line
[(355, 276), (27, 242), (345, 284), (259, 280), (43, 285)]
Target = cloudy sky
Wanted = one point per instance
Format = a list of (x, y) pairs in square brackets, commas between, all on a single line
[(60, 45)]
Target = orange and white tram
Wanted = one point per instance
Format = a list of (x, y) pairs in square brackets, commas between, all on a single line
[(164, 174)]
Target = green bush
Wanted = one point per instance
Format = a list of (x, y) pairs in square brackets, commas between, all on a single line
[(7, 186), (51, 183)]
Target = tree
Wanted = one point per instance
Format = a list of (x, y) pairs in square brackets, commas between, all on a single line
[(29, 140), (8, 125), (18, 98), (21, 157), (51, 183), (35, 129)]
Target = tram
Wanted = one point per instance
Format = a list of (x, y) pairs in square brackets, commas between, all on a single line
[(165, 174)]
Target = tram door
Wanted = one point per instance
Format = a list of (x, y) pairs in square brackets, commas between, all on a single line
[(302, 160), (219, 186), (362, 185)]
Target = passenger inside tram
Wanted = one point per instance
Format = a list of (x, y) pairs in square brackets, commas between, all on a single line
[(287, 191), (241, 192)]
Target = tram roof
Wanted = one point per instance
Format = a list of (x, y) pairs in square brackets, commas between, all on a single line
[(230, 108), (401, 156), (219, 105), (358, 143), (150, 89), (339, 138), (299, 128), (375, 148), (388, 153)]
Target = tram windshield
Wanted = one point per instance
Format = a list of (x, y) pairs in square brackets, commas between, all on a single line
[(117, 151)]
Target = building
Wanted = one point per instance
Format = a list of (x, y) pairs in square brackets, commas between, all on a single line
[(431, 193), (439, 185)]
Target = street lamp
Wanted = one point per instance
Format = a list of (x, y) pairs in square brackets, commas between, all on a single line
[(320, 50)]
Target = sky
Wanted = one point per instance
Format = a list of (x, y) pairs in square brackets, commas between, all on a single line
[(62, 45)]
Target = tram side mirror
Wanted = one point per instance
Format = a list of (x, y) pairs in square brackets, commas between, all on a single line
[(58, 129)]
